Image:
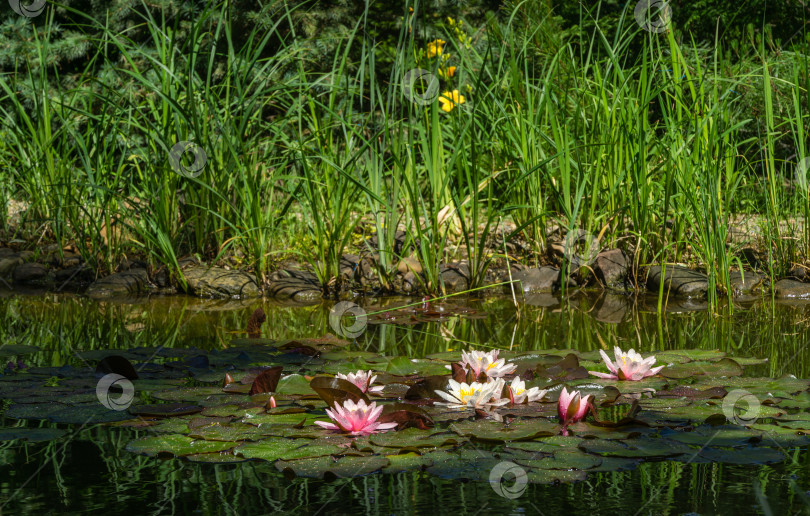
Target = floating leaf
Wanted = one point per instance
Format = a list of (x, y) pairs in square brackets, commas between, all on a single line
[(30, 434), (406, 462), (343, 467), (118, 365), (178, 445), (520, 430), (427, 387), (267, 381), (636, 448), (415, 438), (404, 366), (294, 385), (336, 390), (164, 410), (274, 448), (12, 350), (405, 415)]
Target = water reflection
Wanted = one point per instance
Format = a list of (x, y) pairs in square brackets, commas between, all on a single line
[(62, 323), (91, 471)]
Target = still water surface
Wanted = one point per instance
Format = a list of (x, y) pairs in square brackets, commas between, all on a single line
[(89, 472)]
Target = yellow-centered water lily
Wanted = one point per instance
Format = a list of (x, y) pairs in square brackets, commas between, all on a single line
[(475, 395), (519, 394), (628, 366)]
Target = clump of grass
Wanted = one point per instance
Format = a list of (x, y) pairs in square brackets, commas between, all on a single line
[(642, 139)]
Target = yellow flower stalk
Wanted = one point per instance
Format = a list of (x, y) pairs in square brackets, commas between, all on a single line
[(449, 100), (434, 48)]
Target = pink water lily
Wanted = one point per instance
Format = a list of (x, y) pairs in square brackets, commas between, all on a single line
[(487, 363), (572, 408), (356, 418), (363, 380), (628, 366)]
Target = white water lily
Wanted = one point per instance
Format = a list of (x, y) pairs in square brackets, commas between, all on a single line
[(628, 366), (519, 394), (475, 395), (486, 362), (363, 380)]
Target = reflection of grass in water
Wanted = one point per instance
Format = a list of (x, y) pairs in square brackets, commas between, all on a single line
[(61, 325), (142, 485)]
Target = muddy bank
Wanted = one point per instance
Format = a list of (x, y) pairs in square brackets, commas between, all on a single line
[(610, 271)]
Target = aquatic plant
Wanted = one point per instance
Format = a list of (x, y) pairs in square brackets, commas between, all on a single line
[(356, 418), (571, 408), (475, 395), (519, 394), (485, 364), (628, 366), (363, 380)]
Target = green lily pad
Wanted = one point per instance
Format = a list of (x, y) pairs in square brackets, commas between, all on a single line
[(191, 394), (563, 459), (274, 448), (11, 350), (178, 445), (294, 385), (415, 438), (752, 455), (30, 434), (404, 366), (519, 430), (343, 467), (720, 368), (636, 448), (405, 462), (225, 457), (688, 355), (227, 432), (725, 436)]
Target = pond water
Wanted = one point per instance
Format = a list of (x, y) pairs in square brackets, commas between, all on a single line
[(89, 470)]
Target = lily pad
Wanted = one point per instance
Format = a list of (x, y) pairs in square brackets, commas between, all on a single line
[(12, 350), (636, 448), (343, 467), (30, 434), (178, 445), (274, 448), (519, 430)]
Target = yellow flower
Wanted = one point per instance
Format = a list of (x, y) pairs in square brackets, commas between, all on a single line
[(450, 71), (450, 100), (450, 21), (435, 47)]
